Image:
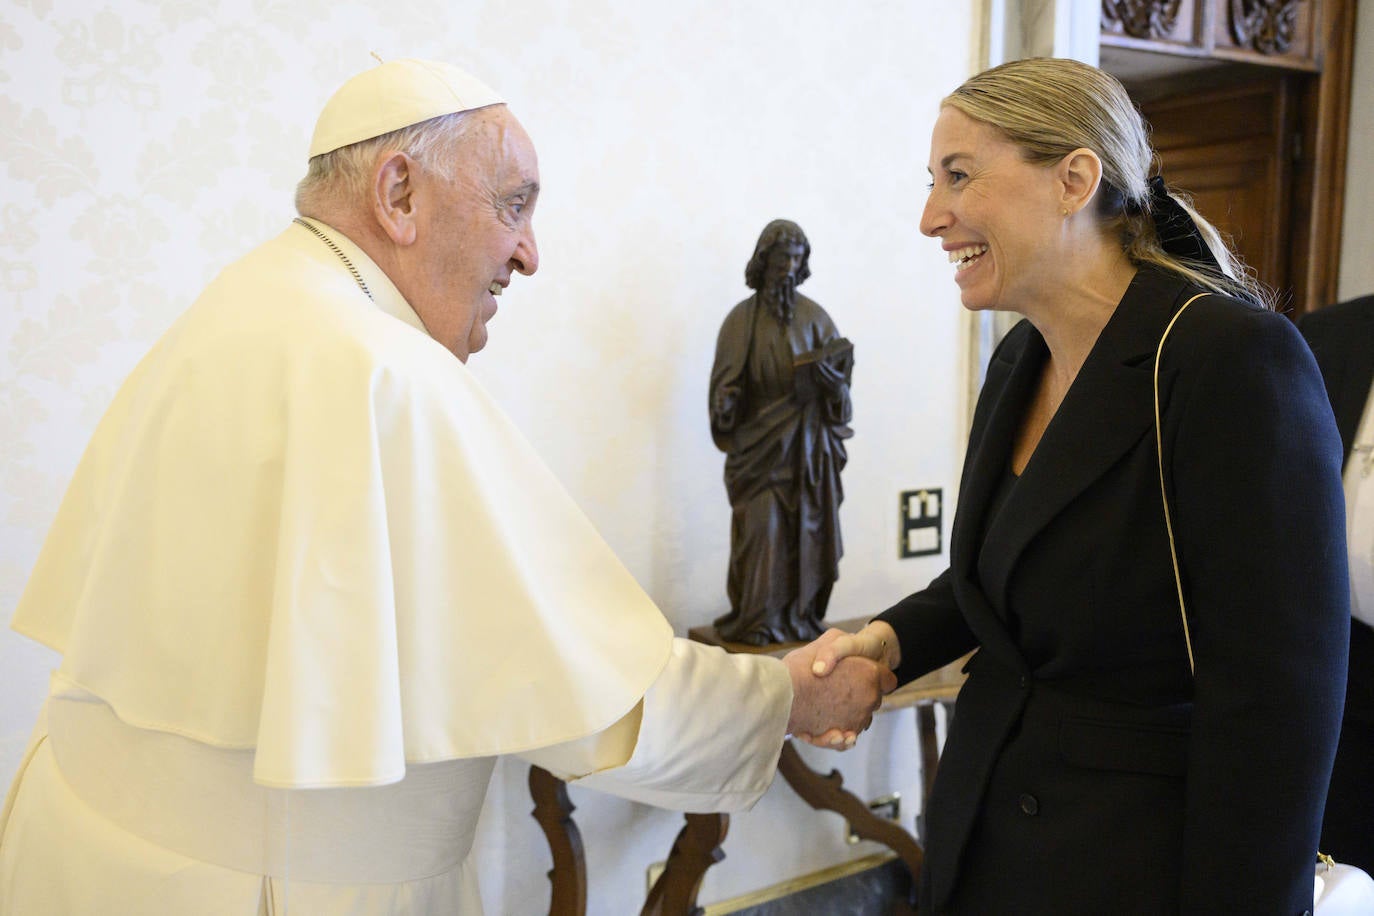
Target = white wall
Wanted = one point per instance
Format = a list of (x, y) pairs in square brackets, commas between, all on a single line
[(1357, 237), (146, 144)]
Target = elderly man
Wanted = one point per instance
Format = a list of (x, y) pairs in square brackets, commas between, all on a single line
[(308, 582)]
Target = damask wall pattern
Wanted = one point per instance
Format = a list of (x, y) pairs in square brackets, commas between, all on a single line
[(144, 144)]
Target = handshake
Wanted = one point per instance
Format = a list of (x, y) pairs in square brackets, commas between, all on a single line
[(839, 681)]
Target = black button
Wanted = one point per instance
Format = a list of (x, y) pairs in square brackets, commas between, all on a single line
[(1030, 804), (1025, 682)]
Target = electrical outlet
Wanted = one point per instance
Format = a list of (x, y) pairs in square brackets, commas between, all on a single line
[(921, 521), (887, 807)]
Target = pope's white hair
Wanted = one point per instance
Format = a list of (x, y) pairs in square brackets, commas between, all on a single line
[(343, 177)]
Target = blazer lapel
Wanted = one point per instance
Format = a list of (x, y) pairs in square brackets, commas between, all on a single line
[(1009, 384), (1106, 411)]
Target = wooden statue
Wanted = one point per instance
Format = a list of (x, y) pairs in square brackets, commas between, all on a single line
[(780, 406)]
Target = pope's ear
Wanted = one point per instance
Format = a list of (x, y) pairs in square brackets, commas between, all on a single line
[(1080, 173), (393, 200)]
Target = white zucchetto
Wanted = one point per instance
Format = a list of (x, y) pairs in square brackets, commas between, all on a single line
[(393, 95)]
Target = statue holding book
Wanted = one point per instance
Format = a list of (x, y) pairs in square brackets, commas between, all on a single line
[(780, 410)]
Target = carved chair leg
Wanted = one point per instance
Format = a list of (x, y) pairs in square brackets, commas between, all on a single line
[(553, 810), (696, 849), (828, 793)]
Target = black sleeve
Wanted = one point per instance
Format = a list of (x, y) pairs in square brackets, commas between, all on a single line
[(1253, 470), (930, 629)]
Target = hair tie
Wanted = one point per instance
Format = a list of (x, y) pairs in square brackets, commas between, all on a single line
[(1178, 234)]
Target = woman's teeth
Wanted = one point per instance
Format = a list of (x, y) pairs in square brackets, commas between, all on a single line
[(495, 288), (963, 257)]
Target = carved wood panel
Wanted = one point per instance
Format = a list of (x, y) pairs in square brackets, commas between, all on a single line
[(1270, 31), (1141, 18), (1175, 25), (1267, 26)]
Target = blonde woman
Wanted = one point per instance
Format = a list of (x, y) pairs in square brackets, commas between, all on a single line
[(1104, 758)]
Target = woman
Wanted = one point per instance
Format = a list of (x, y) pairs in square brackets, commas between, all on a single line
[(1088, 769)]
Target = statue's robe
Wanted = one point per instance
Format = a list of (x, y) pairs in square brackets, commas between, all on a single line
[(779, 410)]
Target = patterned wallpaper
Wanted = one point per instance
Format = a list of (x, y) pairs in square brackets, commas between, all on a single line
[(146, 143)]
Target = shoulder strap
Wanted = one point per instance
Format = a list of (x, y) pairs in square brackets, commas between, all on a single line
[(1168, 520)]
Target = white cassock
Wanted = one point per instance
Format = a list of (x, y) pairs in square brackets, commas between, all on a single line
[(308, 582)]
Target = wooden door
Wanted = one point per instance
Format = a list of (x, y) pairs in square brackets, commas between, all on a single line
[(1251, 119), (1233, 150)]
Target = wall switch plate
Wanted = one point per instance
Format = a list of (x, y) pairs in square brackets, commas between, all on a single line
[(921, 522)]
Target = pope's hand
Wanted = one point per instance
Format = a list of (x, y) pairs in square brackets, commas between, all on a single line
[(840, 705)]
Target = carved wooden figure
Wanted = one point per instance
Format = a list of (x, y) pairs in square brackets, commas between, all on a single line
[(779, 406)]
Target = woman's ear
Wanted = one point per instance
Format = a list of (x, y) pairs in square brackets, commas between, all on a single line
[(1079, 173), (393, 197)]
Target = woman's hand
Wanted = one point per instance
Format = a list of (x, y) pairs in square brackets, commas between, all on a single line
[(877, 641)]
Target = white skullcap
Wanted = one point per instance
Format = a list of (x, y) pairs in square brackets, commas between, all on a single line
[(393, 95)]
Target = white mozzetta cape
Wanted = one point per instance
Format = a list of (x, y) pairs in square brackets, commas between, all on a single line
[(303, 528)]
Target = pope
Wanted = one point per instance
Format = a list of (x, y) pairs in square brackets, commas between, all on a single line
[(308, 582)]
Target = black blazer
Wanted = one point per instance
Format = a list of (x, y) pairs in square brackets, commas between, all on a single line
[(1342, 339), (1343, 342), (1086, 770)]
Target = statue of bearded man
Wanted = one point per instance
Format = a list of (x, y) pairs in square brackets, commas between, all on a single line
[(780, 406)]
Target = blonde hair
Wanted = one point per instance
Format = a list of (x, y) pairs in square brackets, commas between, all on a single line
[(343, 177), (1050, 107)]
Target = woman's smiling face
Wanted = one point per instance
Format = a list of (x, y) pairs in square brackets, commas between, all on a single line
[(997, 215)]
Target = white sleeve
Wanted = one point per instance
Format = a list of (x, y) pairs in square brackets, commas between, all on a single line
[(706, 736)]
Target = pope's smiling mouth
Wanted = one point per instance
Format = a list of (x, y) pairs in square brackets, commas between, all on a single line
[(961, 258)]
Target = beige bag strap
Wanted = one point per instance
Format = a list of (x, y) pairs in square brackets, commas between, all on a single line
[(1168, 520)]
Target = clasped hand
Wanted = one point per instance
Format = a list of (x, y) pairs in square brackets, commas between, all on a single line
[(838, 682)]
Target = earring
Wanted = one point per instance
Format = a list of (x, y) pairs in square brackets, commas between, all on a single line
[(1064, 212)]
